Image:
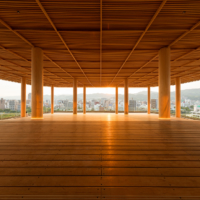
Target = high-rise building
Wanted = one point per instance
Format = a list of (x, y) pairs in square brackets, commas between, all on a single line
[(13, 105), (2, 104), (196, 108), (107, 103), (154, 103), (65, 102), (103, 101), (29, 96), (70, 105), (132, 105)]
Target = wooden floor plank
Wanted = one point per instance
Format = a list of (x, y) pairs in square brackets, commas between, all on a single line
[(122, 164), (50, 171), (88, 157), (128, 157), (151, 172)]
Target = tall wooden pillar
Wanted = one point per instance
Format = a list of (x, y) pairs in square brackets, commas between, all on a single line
[(126, 96), (37, 83), (23, 97), (149, 100), (75, 96), (52, 99), (178, 97), (84, 99), (164, 82), (116, 100)]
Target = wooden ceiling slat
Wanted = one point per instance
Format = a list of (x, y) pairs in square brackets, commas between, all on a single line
[(19, 57), (140, 38), (100, 36), (1, 21), (54, 27)]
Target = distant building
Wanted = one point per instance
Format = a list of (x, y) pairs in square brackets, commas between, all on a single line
[(121, 106), (144, 102), (96, 107), (132, 105), (28, 103), (7, 104), (196, 108), (70, 105), (19, 107), (80, 101), (172, 106), (101, 108), (103, 101), (2, 104), (60, 101), (29, 96), (79, 106), (65, 102), (13, 105), (107, 103), (154, 103)]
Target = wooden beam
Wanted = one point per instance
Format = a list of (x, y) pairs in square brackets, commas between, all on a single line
[(96, 31), (19, 56), (186, 54), (100, 40), (160, 30), (179, 38), (15, 32), (20, 67), (171, 70), (173, 76), (54, 27), (184, 34), (140, 38), (13, 74), (24, 39), (107, 50)]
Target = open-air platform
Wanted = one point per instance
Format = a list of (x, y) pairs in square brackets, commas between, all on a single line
[(100, 156)]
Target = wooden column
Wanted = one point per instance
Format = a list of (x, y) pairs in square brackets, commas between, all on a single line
[(126, 96), (52, 99), (149, 100), (37, 83), (84, 99), (75, 96), (116, 100), (23, 97), (164, 82), (178, 97)]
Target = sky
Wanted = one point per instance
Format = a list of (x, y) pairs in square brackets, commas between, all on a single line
[(8, 88)]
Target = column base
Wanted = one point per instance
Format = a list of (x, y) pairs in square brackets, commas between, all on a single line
[(37, 117), (164, 118)]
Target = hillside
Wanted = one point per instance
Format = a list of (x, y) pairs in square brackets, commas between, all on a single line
[(193, 94)]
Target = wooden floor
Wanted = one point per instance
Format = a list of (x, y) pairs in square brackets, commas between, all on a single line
[(99, 156)]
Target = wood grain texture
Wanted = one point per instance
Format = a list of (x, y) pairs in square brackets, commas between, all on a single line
[(99, 156), (100, 42)]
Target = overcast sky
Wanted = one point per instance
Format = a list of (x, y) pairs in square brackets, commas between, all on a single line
[(8, 88)]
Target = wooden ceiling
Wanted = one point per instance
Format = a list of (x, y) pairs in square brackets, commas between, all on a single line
[(100, 42)]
